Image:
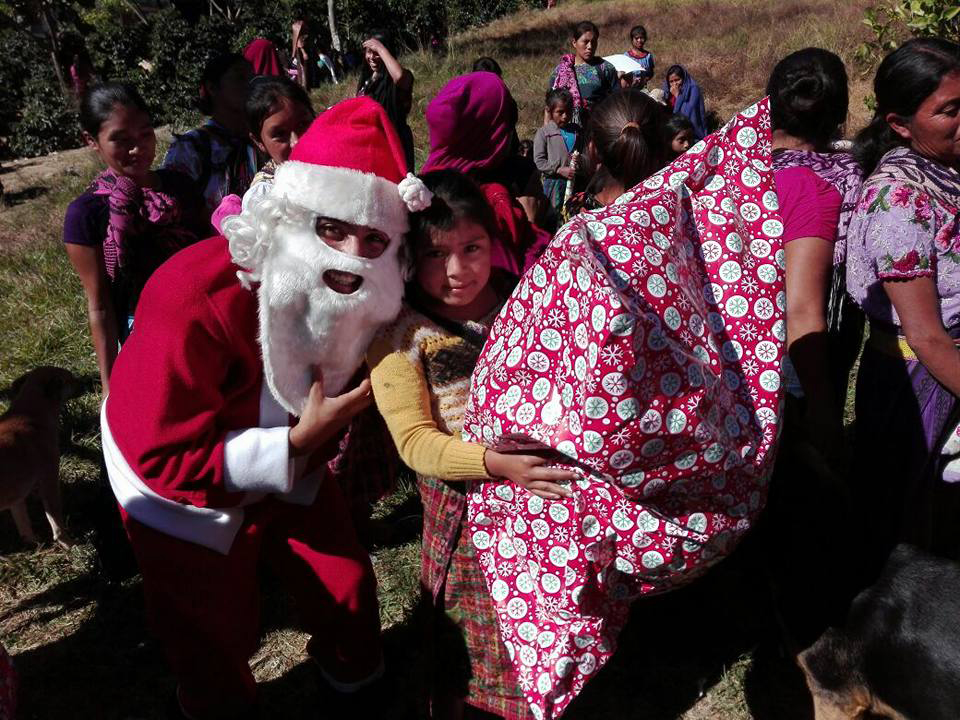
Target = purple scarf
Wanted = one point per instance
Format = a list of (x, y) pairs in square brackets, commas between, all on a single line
[(136, 215), (567, 79), (841, 172)]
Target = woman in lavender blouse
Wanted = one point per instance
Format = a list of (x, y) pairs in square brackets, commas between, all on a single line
[(903, 269)]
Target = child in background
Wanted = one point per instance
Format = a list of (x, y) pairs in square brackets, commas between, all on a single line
[(218, 155), (638, 52), (553, 145), (420, 372), (678, 135), (129, 220), (278, 112)]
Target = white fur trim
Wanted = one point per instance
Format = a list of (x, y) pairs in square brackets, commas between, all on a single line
[(343, 194), (258, 460), (209, 527)]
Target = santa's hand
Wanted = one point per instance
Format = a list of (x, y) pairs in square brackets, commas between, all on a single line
[(528, 472), (323, 417)]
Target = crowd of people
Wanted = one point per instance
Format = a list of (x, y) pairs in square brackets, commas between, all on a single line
[(331, 323)]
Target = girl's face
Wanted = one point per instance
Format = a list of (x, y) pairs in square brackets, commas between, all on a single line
[(560, 113), (676, 82), (230, 94), (283, 128), (453, 267), (682, 142), (585, 46), (373, 60), (126, 142), (934, 129), (638, 42)]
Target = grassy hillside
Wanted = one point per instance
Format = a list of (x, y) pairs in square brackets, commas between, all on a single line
[(728, 46), (702, 653)]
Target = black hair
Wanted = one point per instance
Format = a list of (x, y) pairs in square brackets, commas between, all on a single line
[(905, 78), (525, 146), (387, 42), (487, 64), (637, 31), (557, 96), (808, 95), (98, 102), (676, 124), (266, 91), (626, 130), (676, 70), (455, 197), (213, 73), (577, 31)]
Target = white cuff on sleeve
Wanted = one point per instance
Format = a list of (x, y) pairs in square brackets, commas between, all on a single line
[(258, 460)]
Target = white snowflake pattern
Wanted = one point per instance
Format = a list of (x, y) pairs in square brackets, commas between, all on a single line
[(591, 382), (687, 337), (683, 302), (585, 301), (748, 332), (504, 568), (500, 373), (730, 168), (525, 680), (631, 235), (749, 285), (621, 436), (555, 316), (594, 463), (750, 261), (693, 403), (561, 534), (523, 377), (639, 266), (668, 544), (546, 610), (766, 351), (754, 394), (612, 354)]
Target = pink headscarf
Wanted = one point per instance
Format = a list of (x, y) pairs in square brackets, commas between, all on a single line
[(262, 54), (471, 122)]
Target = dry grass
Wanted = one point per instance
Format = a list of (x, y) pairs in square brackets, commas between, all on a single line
[(701, 653)]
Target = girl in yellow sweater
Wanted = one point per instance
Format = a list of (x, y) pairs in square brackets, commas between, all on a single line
[(420, 370)]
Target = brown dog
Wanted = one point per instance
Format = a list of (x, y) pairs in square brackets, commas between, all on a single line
[(30, 448)]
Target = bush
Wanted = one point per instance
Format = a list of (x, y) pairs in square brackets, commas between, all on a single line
[(47, 121), (20, 57), (895, 22)]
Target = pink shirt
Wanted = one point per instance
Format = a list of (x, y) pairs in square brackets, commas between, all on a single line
[(809, 205)]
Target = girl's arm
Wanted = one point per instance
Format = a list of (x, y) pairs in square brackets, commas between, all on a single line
[(918, 306), (809, 263), (540, 157), (87, 261), (403, 399)]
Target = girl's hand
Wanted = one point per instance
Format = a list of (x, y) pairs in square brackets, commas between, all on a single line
[(323, 417), (374, 45), (566, 172), (528, 472)]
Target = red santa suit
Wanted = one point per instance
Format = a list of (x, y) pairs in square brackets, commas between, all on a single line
[(199, 426), (197, 447)]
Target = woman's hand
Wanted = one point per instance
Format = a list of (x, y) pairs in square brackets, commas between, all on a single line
[(528, 472), (323, 417), (376, 46), (566, 172)]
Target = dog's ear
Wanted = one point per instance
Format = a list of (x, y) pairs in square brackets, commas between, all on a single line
[(53, 389), (833, 676), (16, 386)]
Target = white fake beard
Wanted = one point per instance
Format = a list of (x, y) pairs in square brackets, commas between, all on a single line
[(305, 324)]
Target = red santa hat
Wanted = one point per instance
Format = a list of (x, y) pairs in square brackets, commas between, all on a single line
[(350, 166)]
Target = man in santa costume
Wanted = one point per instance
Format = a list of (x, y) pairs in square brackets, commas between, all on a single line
[(225, 399)]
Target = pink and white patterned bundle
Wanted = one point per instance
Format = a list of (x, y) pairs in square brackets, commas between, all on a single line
[(645, 348)]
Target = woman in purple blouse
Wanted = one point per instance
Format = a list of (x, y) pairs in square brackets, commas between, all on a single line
[(903, 269)]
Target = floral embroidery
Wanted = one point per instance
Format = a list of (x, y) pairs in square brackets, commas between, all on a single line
[(902, 229)]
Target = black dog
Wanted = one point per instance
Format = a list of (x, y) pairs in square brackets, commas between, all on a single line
[(898, 655)]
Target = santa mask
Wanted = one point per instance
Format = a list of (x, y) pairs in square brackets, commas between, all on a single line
[(305, 323), (349, 166)]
